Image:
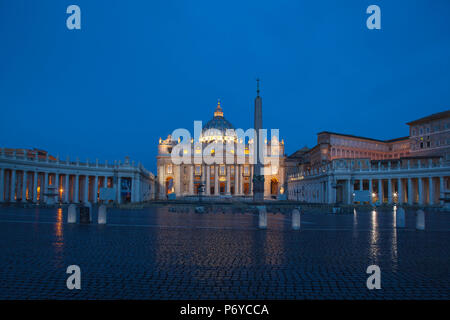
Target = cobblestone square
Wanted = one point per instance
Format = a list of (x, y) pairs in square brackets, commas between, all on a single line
[(154, 253)]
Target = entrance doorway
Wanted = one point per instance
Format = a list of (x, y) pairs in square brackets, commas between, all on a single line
[(222, 188), (274, 187), (169, 185), (246, 188)]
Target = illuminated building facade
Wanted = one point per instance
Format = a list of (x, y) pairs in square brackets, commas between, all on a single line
[(229, 177), (405, 170), (431, 135), (34, 176)]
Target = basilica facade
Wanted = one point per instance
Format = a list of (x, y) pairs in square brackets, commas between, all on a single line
[(230, 175)]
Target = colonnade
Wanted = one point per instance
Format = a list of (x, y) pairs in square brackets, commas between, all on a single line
[(35, 186), (25, 178), (232, 181), (340, 181)]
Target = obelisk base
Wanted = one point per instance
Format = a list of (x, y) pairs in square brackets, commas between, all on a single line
[(258, 188)]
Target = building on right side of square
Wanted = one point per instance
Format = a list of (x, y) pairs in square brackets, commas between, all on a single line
[(414, 169)]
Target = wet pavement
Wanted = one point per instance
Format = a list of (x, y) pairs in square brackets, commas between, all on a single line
[(157, 254)]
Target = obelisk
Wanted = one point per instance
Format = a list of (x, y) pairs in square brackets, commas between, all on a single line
[(258, 174)]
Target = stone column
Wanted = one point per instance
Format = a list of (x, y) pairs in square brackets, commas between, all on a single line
[(2, 183), (389, 191), (420, 191), (400, 191), (191, 179), (66, 189), (241, 179), (251, 180), (361, 184), (57, 185), (12, 186), (349, 191), (236, 179), (86, 189), (105, 182), (24, 186), (431, 190), (95, 189), (321, 191), (119, 196), (203, 177), (441, 189), (216, 180), (208, 180), (370, 190), (35, 181), (410, 192), (76, 190), (380, 191), (133, 188), (44, 187), (228, 180), (331, 197), (138, 194), (177, 180)]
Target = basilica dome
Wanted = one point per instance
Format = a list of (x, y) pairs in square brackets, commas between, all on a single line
[(216, 128)]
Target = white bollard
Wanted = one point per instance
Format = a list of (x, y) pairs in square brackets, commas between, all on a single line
[(262, 217), (102, 214), (420, 220), (400, 218), (72, 214), (296, 219)]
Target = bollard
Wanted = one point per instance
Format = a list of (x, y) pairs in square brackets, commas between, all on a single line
[(400, 218), (420, 220), (262, 223), (102, 214), (296, 219), (72, 214)]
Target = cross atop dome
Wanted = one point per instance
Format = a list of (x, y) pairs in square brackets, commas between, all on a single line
[(218, 112)]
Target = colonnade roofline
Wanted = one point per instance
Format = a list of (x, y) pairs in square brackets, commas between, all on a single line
[(53, 164)]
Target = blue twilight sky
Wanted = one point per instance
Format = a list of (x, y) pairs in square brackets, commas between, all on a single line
[(139, 69)]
